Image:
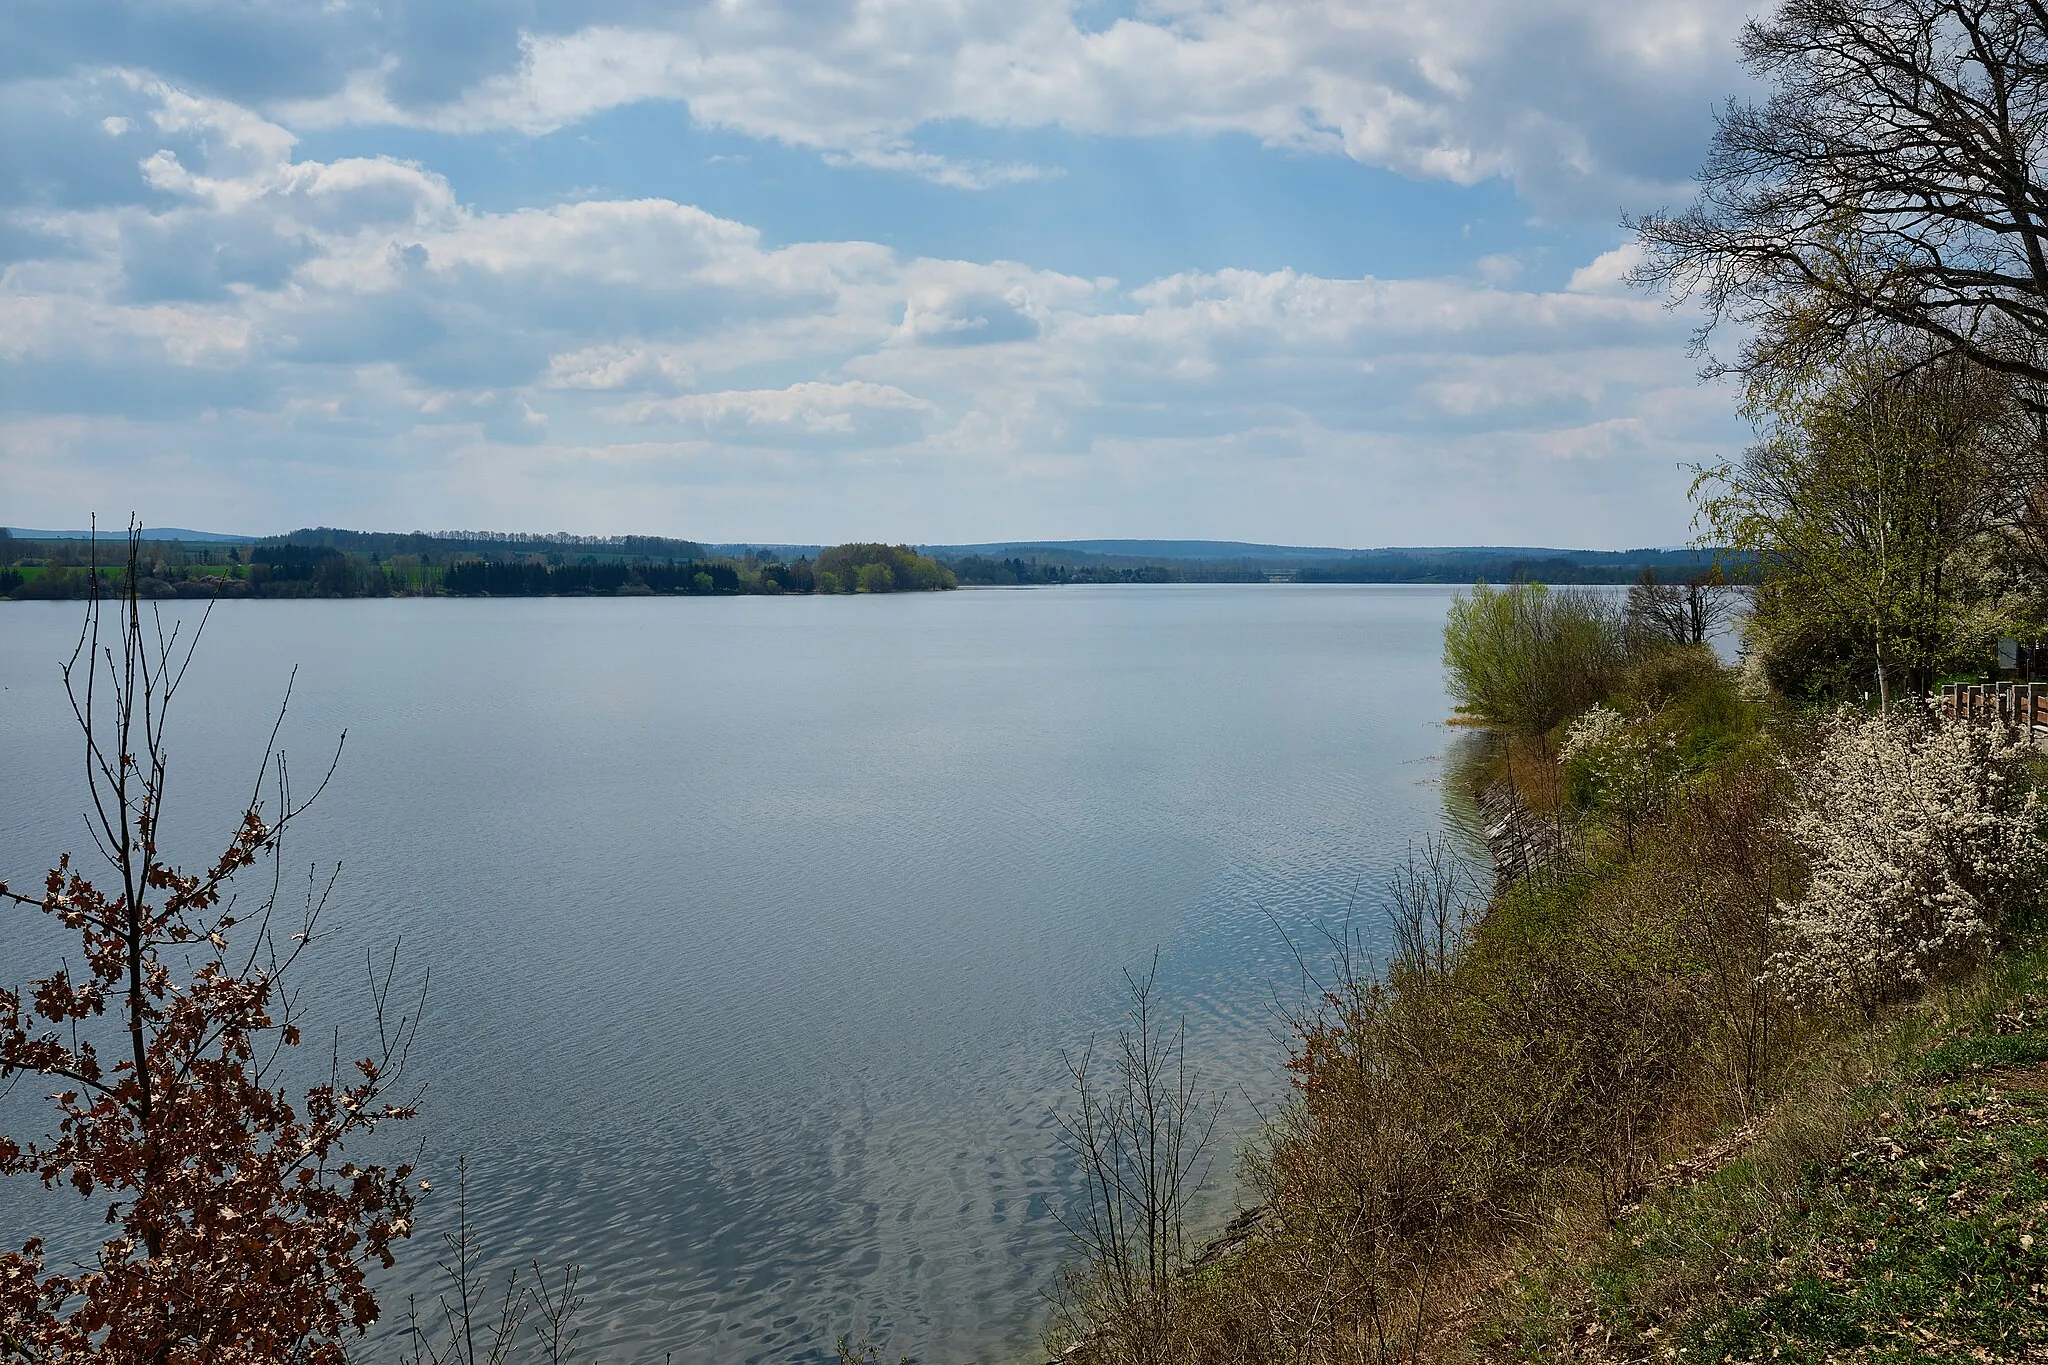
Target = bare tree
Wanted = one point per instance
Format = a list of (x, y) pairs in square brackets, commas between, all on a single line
[(469, 1323), (1894, 177), (1686, 612), (1429, 908), (1140, 1137)]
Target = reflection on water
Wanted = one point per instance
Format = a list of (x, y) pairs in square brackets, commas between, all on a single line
[(1468, 752), (757, 926)]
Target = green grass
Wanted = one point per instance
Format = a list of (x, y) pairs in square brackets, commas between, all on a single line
[(1895, 1208), (1909, 1248), (1972, 1054)]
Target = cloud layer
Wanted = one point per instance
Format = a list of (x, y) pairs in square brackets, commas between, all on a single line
[(1585, 105), (201, 322)]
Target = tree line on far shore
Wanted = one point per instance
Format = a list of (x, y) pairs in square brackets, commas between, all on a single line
[(329, 562), (65, 570)]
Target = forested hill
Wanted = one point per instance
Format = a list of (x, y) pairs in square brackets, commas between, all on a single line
[(326, 562), (1226, 561), (1263, 553), (489, 544), (1515, 565)]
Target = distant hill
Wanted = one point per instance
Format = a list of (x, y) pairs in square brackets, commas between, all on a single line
[(1155, 550), (1151, 550), (491, 544), (775, 549), (1224, 561), (1505, 564), (148, 533)]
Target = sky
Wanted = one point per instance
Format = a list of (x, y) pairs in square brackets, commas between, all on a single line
[(1333, 272)]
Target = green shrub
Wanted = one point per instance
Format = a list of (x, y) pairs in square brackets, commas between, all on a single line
[(1661, 674), (1528, 658), (1675, 712)]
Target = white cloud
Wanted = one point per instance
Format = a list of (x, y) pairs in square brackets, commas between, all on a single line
[(1587, 102), (618, 365), (405, 345), (809, 408), (1500, 268), (1608, 272), (940, 170)]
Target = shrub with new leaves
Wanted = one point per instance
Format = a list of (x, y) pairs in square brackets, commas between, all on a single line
[(1527, 657), (1922, 838), (239, 1229)]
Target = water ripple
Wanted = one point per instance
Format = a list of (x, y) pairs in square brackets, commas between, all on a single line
[(758, 928)]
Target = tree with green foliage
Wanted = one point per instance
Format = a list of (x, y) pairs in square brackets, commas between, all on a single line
[(1527, 657), (1873, 227), (868, 567), (1868, 499)]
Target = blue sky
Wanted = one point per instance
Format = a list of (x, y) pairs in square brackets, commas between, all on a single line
[(1310, 271)]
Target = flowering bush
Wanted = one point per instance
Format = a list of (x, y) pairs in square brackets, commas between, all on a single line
[(1753, 677), (1922, 837), (1622, 766)]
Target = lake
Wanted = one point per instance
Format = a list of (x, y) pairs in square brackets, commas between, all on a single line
[(758, 926)]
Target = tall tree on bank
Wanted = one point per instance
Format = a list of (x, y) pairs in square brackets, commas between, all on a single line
[(1893, 179), (239, 1226), (1885, 206), (1868, 502)]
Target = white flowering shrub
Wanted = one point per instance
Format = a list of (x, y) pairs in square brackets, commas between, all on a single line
[(1589, 732), (1622, 766), (1921, 838), (1753, 677)]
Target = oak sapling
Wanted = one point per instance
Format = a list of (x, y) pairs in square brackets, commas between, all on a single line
[(239, 1228)]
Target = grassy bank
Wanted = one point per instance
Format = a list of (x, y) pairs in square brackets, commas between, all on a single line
[(1892, 1204)]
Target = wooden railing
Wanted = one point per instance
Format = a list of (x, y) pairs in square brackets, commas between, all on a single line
[(2016, 704)]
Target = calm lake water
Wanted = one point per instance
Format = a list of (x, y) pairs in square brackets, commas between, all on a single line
[(757, 926)]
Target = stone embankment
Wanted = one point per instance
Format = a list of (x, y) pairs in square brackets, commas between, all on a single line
[(1523, 843)]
